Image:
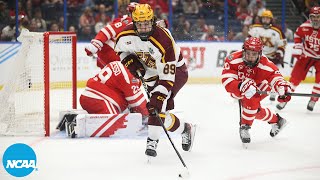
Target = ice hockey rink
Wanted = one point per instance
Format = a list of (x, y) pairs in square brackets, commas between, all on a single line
[(217, 151)]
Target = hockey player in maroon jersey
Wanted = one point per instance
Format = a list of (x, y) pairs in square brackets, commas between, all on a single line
[(307, 51), (244, 73), (152, 49), (103, 43)]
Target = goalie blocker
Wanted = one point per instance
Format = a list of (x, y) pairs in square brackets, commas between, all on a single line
[(79, 124)]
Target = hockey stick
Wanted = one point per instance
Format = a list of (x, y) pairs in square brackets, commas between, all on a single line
[(239, 102), (162, 125), (292, 94)]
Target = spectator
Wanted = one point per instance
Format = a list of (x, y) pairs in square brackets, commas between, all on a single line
[(29, 9), (72, 29), (210, 35), (41, 23), (102, 23), (241, 36), (288, 33), (199, 28), (4, 15), (190, 7), (86, 19), (61, 23), (33, 27), (54, 26), (86, 34), (242, 10), (260, 7), (102, 10), (182, 29), (8, 32)]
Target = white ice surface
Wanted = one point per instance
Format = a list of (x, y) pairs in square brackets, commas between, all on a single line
[(217, 152)]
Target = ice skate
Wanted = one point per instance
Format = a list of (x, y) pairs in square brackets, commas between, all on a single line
[(272, 97), (188, 136), (151, 147), (310, 105), (69, 126), (277, 127), (245, 135), (281, 105)]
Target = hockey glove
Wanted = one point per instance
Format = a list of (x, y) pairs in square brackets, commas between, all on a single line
[(156, 103), (279, 58), (132, 63), (283, 87), (297, 50), (248, 88), (93, 47)]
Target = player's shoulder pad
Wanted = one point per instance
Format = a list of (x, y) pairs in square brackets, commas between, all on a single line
[(278, 29), (161, 38), (255, 25), (128, 30)]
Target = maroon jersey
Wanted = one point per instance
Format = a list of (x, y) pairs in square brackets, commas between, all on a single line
[(307, 39), (116, 88), (235, 71)]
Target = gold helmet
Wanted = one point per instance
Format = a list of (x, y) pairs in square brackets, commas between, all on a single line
[(266, 18), (143, 21), (267, 13)]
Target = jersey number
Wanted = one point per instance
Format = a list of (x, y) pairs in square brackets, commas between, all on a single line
[(118, 24), (105, 74), (315, 47), (135, 89), (169, 68)]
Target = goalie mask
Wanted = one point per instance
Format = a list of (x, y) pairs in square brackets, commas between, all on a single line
[(252, 50), (314, 17), (143, 21), (266, 19)]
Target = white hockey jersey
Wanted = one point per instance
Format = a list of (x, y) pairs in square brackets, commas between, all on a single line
[(273, 39), (160, 55)]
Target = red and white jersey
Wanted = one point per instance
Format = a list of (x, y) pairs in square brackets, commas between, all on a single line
[(107, 36), (235, 71), (160, 55), (273, 39), (308, 39), (115, 84)]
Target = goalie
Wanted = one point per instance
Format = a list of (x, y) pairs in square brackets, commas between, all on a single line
[(111, 92)]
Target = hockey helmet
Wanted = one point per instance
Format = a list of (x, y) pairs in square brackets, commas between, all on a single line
[(314, 17), (252, 50), (131, 7), (143, 21), (266, 18)]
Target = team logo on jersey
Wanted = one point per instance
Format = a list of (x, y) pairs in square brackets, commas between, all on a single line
[(240, 67), (128, 42), (19, 160), (151, 51), (230, 57), (126, 21)]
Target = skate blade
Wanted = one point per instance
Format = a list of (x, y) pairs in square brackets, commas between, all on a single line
[(281, 129), (149, 159), (193, 134), (245, 145)]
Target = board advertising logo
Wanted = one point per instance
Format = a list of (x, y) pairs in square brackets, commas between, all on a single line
[(19, 160)]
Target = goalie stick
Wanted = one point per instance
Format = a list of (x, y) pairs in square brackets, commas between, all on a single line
[(185, 171), (292, 94)]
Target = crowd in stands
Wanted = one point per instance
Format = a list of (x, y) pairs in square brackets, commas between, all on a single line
[(198, 20)]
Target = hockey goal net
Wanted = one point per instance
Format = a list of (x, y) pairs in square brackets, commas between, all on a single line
[(42, 83)]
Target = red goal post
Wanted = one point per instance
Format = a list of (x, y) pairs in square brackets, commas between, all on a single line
[(42, 83)]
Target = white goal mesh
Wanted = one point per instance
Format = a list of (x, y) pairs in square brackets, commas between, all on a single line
[(42, 83)]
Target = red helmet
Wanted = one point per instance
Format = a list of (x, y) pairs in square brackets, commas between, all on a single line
[(254, 44), (314, 10), (314, 17), (131, 6)]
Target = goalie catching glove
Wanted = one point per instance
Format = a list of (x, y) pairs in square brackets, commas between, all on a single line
[(93, 47), (283, 87), (156, 103), (132, 63), (248, 88)]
